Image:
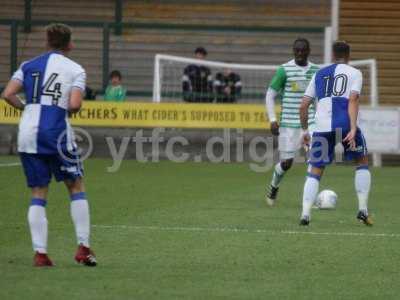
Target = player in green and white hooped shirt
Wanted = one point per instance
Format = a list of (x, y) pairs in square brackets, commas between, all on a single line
[(290, 80)]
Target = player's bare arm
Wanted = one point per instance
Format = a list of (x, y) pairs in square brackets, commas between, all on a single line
[(10, 94), (305, 104), (353, 114), (75, 100)]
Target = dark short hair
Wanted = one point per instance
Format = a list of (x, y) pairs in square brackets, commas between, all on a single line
[(58, 36), (302, 40), (341, 49), (200, 50), (116, 73)]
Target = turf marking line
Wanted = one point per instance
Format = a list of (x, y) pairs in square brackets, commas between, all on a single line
[(242, 230), (14, 164)]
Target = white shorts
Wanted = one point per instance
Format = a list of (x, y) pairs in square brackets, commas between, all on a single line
[(289, 142)]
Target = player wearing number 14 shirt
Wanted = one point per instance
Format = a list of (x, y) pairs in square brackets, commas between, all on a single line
[(335, 89), (53, 85)]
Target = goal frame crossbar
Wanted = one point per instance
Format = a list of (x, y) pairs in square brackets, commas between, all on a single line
[(370, 63)]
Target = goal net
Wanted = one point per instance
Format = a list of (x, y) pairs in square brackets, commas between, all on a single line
[(169, 78)]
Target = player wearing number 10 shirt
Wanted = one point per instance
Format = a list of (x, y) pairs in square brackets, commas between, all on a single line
[(53, 85), (335, 90)]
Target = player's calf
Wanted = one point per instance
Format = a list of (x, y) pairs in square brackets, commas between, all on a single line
[(310, 192), (279, 171), (81, 219), (272, 193), (362, 182)]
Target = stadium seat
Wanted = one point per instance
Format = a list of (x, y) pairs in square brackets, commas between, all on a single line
[(371, 27), (275, 13), (138, 46)]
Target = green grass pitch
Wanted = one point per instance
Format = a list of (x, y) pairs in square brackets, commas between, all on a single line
[(202, 231)]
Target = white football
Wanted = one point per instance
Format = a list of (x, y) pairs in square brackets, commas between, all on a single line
[(326, 200)]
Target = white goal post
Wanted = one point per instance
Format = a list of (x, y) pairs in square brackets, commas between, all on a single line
[(163, 64)]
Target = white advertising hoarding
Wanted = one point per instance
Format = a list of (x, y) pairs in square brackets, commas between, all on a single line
[(381, 128)]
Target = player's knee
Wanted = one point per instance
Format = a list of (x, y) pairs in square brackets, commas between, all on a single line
[(74, 186), (362, 161), (40, 192), (317, 171), (286, 164)]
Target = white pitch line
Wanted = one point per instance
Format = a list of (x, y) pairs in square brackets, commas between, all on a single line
[(232, 230), (14, 164), (242, 230)]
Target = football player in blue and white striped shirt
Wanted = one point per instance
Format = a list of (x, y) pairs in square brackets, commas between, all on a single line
[(54, 86), (335, 90)]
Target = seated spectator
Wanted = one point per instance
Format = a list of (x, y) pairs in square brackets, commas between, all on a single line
[(115, 91), (228, 86), (197, 84)]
